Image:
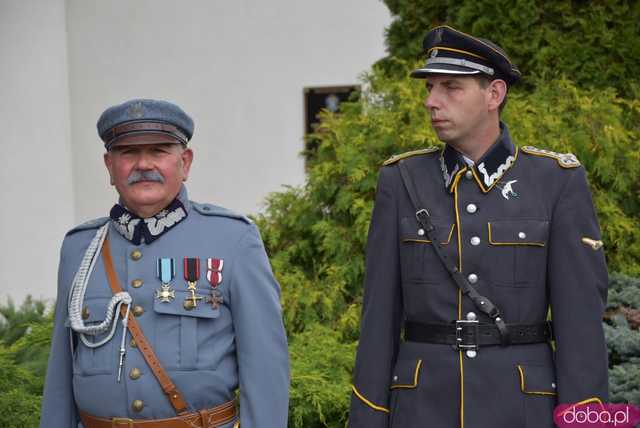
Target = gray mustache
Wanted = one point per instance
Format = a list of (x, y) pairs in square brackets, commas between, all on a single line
[(137, 176)]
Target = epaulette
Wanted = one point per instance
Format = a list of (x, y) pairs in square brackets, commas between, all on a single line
[(565, 160), (395, 158), (214, 210), (88, 225)]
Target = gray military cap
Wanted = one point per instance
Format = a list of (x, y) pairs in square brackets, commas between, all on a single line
[(144, 121)]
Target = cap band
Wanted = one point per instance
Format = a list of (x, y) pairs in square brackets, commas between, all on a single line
[(141, 127), (461, 63)]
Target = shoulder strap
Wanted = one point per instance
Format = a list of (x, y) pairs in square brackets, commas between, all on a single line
[(483, 304), (169, 388)]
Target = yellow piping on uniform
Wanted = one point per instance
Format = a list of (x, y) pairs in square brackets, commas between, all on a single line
[(415, 378), (536, 244), (587, 401), (426, 241), (459, 231), (461, 391), (367, 402), (475, 175), (523, 389), (442, 48)]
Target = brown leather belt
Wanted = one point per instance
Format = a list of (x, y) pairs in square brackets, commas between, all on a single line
[(208, 418)]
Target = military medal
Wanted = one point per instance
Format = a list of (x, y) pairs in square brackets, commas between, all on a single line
[(214, 271), (166, 271), (214, 276), (191, 267)]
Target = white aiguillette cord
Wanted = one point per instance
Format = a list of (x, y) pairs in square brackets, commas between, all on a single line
[(76, 298)]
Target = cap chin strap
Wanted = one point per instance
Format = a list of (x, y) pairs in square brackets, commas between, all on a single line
[(461, 63)]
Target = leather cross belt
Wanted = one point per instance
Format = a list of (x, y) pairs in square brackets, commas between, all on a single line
[(464, 334), (208, 418)]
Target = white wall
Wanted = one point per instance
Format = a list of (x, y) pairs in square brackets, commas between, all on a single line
[(36, 191), (237, 67)]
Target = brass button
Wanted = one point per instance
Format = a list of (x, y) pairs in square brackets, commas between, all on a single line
[(137, 405), (136, 255), (137, 283), (85, 313), (135, 373), (133, 343), (138, 310)]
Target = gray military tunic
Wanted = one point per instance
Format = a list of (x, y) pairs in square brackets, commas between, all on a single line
[(521, 225), (208, 352)]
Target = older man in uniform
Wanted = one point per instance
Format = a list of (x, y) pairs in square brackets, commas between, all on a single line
[(167, 306), (469, 247)]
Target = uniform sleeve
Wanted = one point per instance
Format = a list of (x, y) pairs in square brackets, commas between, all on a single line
[(261, 342), (578, 281), (381, 314), (58, 404)]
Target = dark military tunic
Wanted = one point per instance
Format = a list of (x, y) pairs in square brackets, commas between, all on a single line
[(521, 225)]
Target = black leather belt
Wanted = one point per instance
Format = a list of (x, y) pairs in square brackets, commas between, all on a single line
[(468, 335)]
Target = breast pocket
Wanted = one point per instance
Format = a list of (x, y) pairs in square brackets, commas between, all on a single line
[(419, 261), (518, 252), (102, 359), (178, 321)]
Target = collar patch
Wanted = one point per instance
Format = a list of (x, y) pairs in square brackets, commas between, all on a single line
[(491, 167), (134, 228)]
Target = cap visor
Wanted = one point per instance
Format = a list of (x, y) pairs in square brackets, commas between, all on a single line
[(422, 72), (143, 138)]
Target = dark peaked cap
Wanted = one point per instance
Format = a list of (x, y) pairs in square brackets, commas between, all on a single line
[(450, 51)]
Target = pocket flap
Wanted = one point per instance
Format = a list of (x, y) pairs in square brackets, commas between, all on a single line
[(94, 311), (175, 306), (406, 373), (518, 232), (410, 231), (538, 380)]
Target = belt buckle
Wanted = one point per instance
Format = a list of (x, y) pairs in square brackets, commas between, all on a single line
[(460, 344), (117, 422)]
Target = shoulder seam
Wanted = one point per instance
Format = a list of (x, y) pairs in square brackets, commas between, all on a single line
[(395, 158)]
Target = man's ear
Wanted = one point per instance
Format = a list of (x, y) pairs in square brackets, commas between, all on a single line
[(187, 159), (497, 91), (108, 163)]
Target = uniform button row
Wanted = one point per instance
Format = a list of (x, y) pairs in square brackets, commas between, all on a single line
[(137, 406), (136, 255), (135, 373)]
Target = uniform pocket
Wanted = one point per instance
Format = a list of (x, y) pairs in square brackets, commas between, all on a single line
[(177, 325), (101, 360), (520, 248), (419, 261), (538, 387), (404, 381)]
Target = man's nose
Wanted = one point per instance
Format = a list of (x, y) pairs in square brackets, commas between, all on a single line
[(144, 162), (431, 101)]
